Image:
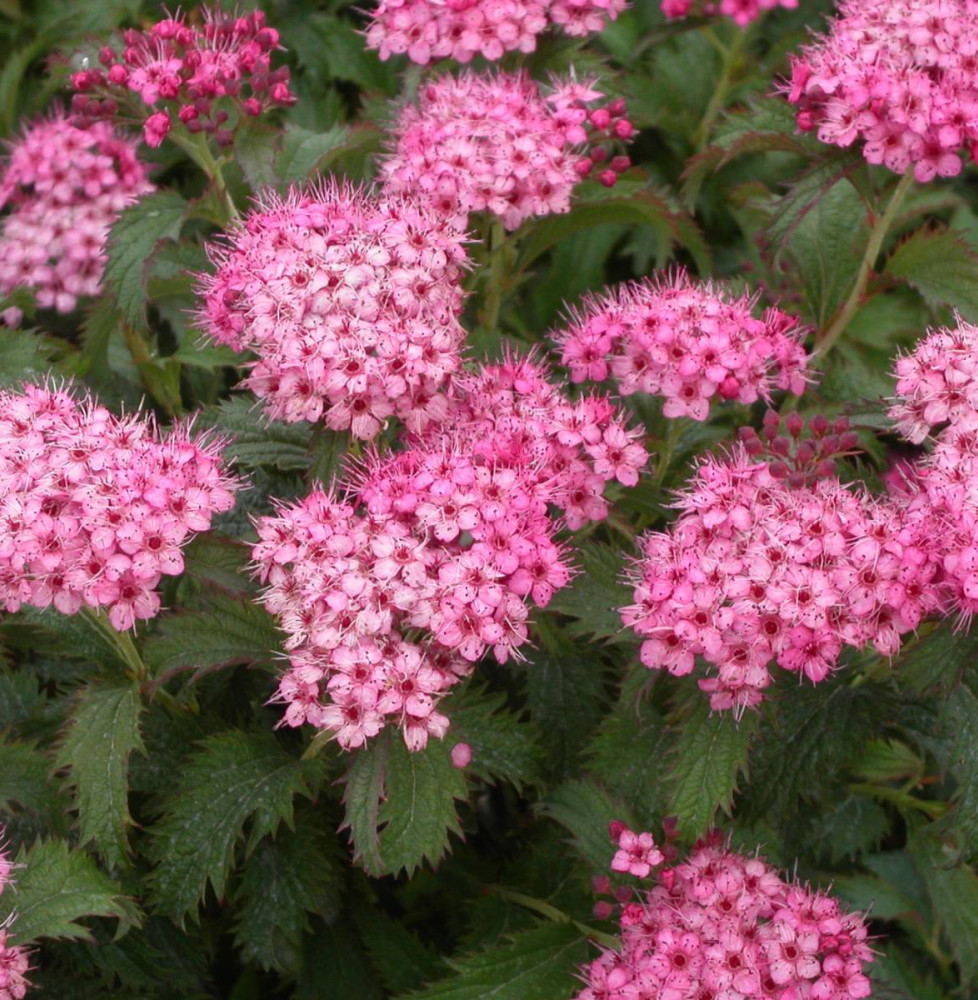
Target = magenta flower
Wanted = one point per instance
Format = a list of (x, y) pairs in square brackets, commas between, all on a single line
[(192, 75), (688, 342), (433, 560), (461, 29), (350, 302), (719, 924), (94, 509), (496, 143), (64, 188), (742, 12), (897, 76), (760, 569)]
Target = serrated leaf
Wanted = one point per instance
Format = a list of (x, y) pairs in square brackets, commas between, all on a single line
[(961, 726), (256, 147), (130, 246), (25, 779), (336, 967), (102, 733), (419, 813), (595, 595), (229, 630), (20, 698), (284, 880), (303, 151), (216, 559), (328, 453), (234, 778), (364, 789), (953, 890), (25, 356), (503, 746), (255, 440), (941, 266), (852, 826), (585, 809), (538, 964), (937, 658), (56, 887), (401, 959), (710, 755)]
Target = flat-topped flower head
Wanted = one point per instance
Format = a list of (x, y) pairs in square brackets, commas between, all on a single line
[(689, 342), (897, 76), (95, 509), (718, 924), (761, 569), (498, 143), (203, 77), (428, 30), (436, 555), (63, 187), (741, 12), (351, 303)]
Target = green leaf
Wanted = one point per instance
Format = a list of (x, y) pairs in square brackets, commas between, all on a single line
[(850, 827), (953, 890), (401, 959), (284, 880), (595, 595), (25, 779), (826, 247), (364, 789), (538, 964), (937, 658), (585, 809), (25, 356), (419, 811), (102, 733), (229, 630), (328, 454), (303, 151), (130, 246), (256, 440), (234, 777), (56, 887), (503, 745), (941, 266), (213, 558), (710, 755), (256, 146), (961, 726), (336, 967)]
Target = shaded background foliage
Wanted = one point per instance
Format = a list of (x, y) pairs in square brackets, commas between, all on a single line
[(176, 844)]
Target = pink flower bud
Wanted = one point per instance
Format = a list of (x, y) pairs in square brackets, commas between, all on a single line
[(461, 755)]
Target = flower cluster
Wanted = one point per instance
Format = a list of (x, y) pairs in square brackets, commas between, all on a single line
[(897, 75), (496, 143), (718, 924), (937, 388), (14, 961), (756, 570), (351, 304), (64, 187), (742, 12), (684, 341), (427, 30), (389, 596), (95, 509), (188, 74)]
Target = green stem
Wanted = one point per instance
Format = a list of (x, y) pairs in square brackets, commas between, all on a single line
[(197, 149), (674, 431), (881, 226), (136, 668), (496, 276), (729, 58), (148, 368)]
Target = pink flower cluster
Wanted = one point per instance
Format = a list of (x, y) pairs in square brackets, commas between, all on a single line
[(496, 143), (64, 188), (14, 962), (937, 389), (901, 76), (742, 12), (756, 569), (719, 925), (189, 74), (350, 302), (459, 29), (687, 342), (390, 596), (94, 509)]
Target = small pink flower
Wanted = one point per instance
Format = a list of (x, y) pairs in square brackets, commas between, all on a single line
[(156, 128)]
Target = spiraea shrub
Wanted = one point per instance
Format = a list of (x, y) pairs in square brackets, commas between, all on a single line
[(489, 500)]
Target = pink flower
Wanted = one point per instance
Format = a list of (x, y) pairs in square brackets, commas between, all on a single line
[(350, 302), (64, 187), (637, 854), (84, 517), (496, 143), (156, 128), (719, 924), (686, 342), (462, 29), (897, 75)]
